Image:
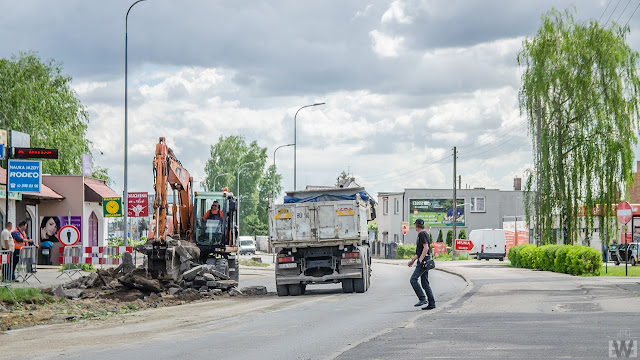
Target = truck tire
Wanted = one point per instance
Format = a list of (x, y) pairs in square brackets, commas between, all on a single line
[(282, 290), (347, 286), (222, 266), (501, 259), (295, 289), (359, 285)]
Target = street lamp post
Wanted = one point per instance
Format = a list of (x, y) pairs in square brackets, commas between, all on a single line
[(125, 207), (216, 178), (238, 188), (295, 142), (274, 171)]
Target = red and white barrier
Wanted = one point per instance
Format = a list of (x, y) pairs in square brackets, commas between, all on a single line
[(104, 251)]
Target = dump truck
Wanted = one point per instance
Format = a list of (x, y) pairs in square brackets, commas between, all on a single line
[(321, 237)]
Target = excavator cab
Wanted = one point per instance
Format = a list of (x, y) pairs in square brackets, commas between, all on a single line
[(217, 238)]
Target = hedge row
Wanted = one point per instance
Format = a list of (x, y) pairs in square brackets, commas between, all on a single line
[(406, 251), (568, 259)]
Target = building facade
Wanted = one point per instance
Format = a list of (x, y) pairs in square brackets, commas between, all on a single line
[(477, 209)]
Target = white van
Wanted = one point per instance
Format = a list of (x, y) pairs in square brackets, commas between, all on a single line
[(247, 245), (489, 244)]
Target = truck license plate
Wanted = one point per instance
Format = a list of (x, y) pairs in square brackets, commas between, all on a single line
[(287, 266), (350, 261)]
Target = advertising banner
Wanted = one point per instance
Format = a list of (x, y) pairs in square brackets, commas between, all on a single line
[(523, 233), (138, 204), (436, 212), (25, 176), (439, 248), (51, 225), (112, 207)]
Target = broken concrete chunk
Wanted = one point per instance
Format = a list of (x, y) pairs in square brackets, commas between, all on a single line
[(191, 274), (173, 290), (234, 292), (209, 277), (254, 290)]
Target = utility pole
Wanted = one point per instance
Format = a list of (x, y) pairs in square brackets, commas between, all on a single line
[(539, 177), (459, 181), (455, 206)]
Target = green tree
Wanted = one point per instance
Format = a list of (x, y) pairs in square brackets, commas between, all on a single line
[(462, 234), (449, 237), (582, 79), (36, 98), (256, 183), (439, 236), (343, 176), (373, 226)]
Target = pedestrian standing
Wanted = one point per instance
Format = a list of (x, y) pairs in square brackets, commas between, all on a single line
[(423, 253), (20, 240), (7, 245)]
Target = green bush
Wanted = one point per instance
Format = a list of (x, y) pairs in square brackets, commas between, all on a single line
[(560, 262), (406, 251), (514, 255), (583, 260), (575, 260)]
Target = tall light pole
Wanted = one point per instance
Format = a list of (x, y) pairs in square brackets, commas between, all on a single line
[(125, 208), (238, 188), (216, 178), (274, 170), (295, 142)]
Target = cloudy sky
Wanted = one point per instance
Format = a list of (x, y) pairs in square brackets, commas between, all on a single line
[(403, 81)]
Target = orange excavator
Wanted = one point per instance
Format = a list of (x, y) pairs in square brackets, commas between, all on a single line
[(216, 240)]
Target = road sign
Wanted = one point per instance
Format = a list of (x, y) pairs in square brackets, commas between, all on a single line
[(624, 212), (2, 151), (463, 245), (405, 227), (35, 153), (87, 165), (112, 207), (25, 176), (69, 235), (20, 139), (138, 204), (415, 211)]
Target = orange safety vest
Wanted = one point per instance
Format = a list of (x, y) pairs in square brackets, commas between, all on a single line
[(209, 214), (23, 235)]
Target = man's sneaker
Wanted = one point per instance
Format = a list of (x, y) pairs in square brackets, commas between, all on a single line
[(429, 307), (420, 303)]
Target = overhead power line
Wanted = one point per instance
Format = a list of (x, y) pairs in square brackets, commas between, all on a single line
[(633, 13)]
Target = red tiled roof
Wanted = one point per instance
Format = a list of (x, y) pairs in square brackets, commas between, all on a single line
[(100, 188)]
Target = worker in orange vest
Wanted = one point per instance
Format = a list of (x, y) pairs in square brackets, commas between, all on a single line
[(214, 213), (20, 240)]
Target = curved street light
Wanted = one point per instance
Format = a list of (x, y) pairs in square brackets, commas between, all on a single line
[(216, 178), (273, 196), (295, 147), (125, 195)]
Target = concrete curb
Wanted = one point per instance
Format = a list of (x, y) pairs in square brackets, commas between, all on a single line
[(454, 273)]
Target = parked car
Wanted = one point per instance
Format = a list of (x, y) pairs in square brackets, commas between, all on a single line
[(629, 251), (247, 245), (613, 254)]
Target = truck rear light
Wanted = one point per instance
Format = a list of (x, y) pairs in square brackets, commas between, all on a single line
[(505, 249), (351, 255), (482, 248), (285, 259)]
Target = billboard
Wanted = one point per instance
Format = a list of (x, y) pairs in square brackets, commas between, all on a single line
[(50, 225), (138, 204), (436, 212), (25, 176), (522, 231)]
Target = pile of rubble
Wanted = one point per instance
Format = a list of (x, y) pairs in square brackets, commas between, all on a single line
[(128, 282)]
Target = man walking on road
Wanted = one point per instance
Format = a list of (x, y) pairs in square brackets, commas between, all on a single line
[(423, 251)]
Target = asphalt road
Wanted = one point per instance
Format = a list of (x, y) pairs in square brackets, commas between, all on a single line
[(517, 313), (322, 324)]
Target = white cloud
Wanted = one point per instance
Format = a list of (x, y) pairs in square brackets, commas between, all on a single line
[(386, 45), (396, 12)]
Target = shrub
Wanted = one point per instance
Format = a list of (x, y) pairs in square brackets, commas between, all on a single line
[(527, 256), (514, 254), (560, 262), (583, 260), (545, 257), (406, 251)]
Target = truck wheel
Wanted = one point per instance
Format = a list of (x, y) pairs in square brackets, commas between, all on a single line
[(222, 266), (282, 290), (347, 286), (487, 259), (359, 284), (295, 289), (502, 259)]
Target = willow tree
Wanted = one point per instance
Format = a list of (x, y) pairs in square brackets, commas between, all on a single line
[(580, 92)]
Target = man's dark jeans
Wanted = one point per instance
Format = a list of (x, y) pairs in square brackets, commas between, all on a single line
[(423, 274)]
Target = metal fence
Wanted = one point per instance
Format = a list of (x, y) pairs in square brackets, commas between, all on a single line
[(6, 263), (71, 260), (382, 250), (27, 264)]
